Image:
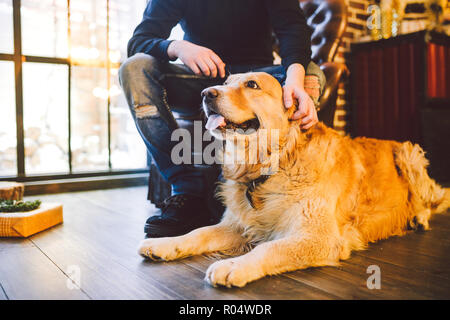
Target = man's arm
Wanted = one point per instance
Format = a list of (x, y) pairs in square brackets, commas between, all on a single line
[(293, 33), (200, 60), (294, 88), (150, 36)]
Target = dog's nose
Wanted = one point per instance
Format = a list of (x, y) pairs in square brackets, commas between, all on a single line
[(210, 93)]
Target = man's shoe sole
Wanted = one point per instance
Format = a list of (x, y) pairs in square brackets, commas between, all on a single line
[(159, 231)]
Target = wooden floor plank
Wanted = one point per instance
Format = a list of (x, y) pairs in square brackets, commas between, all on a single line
[(398, 282), (258, 290), (101, 276), (349, 281), (185, 281), (425, 251), (103, 228), (3, 295), (333, 280), (12, 243), (131, 203), (113, 240), (92, 241), (279, 287), (26, 273)]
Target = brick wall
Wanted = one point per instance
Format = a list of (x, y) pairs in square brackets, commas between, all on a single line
[(357, 17)]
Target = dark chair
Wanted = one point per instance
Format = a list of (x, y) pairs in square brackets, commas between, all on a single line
[(328, 20)]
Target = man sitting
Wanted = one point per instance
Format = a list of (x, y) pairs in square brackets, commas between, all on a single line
[(231, 36)]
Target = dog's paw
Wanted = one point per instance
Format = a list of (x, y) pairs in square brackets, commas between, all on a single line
[(159, 249), (420, 221), (227, 273)]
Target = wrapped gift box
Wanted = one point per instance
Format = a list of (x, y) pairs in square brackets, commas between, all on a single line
[(25, 224)]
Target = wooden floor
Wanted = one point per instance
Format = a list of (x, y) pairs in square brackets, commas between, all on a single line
[(102, 229)]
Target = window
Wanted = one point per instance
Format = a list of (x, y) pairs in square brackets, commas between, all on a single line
[(8, 160), (59, 61), (45, 108), (6, 25), (44, 28)]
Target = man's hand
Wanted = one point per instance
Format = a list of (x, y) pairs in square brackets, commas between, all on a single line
[(294, 89), (199, 59)]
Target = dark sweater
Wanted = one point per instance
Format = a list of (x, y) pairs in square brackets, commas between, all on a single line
[(239, 31)]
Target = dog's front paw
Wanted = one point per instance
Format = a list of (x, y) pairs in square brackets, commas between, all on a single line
[(229, 272), (159, 249)]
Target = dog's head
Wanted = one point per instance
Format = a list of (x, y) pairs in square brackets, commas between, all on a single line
[(245, 103), (248, 112)]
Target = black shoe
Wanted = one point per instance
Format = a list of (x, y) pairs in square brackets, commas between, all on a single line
[(180, 214)]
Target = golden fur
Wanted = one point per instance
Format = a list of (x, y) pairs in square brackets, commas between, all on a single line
[(329, 195)]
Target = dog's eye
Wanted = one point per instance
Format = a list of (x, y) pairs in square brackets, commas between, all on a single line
[(252, 84)]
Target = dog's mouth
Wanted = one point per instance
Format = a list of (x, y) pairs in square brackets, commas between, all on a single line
[(217, 121)]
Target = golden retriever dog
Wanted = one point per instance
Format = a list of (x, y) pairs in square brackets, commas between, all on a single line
[(329, 194)]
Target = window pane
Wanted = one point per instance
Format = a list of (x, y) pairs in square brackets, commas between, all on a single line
[(44, 28), (88, 31), (8, 164), (127, 148), (6, 27), (89, 119), (125, 15), (45, 89)]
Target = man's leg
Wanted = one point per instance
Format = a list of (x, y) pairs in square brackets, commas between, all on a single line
[(142, 79)]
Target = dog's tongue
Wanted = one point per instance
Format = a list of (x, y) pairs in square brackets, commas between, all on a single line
[(215, 121)]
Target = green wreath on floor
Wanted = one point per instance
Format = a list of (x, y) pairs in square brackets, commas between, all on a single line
[(18, 205)]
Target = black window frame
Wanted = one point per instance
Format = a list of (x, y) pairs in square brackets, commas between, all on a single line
[(18, 59)]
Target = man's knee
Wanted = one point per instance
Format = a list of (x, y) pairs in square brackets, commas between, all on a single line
[(315, 82), (136, 65)]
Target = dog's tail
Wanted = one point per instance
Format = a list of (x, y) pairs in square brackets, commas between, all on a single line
[(426, 196)]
